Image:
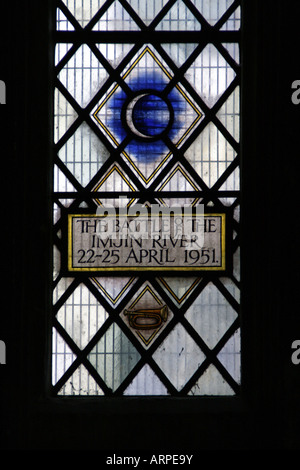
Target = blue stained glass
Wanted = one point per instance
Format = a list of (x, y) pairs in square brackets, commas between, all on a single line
[(113, 114), (147, 152), (151, 115)]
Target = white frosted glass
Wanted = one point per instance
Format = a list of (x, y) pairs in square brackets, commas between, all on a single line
[(64, 115), (61, 182), (83, 154), (229, 114), (179, 288), (146, 383), (211, 315), (234, 21), (83, 75), (179, 52), (81, 315), (179, 18), (83, 10), (81, 383), (114, 357), (60, 51), (62, 356), (62, 23), (146, 10), (179, 356), (210, 74), (230, 356), (113, 288), (212, 10), (210, 154), (116, 18), (114, 53), (211, 383)]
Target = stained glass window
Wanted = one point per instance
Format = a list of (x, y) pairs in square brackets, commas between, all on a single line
[(146, 119)]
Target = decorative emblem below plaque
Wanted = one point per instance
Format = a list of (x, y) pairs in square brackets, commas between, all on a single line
[(147, 315)]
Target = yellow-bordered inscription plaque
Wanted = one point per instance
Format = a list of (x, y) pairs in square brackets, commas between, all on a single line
[(172, 240)]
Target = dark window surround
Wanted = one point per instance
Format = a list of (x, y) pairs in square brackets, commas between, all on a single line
[(264, 415)]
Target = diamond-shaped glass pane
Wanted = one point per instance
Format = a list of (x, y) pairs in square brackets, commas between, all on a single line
[(83, 154), (146, 383), (210, 74), (81, 315), (211, 382), (179, 356), (83, 75), (211, 315), (179, 18), (81, 383), (114, 357), (114, 53), (146, 10), (212, 10), (178, 181), (84, 11), (116, 18), (210, 154)]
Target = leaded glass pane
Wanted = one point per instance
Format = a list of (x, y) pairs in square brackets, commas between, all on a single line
[(179, 18), (210, 74), (212, 10), (83, 154), (114, 357), (179, 357), (83, 11), (146, 118), (82, 75), (116, 18)]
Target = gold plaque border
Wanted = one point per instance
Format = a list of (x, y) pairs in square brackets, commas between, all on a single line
[(146, 268)]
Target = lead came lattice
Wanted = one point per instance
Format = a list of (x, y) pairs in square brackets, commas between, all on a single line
[(146, 108)]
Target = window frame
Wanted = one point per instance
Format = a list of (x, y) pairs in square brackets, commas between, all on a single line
[(216, 422), (141, 40)]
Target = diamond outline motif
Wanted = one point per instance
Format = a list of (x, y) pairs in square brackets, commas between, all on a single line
[(179, 88), (106, 176), (116, 299), (176, 169), (144, 340), (189, 290)]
